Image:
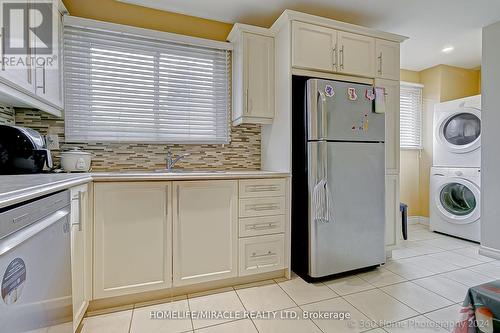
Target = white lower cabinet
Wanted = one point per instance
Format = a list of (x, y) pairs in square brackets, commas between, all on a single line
[(205, 231), (261, 254), (132, 247), (80, 253), (392, 216), (157, 235)]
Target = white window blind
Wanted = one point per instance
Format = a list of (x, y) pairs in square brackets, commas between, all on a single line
[(411, 116), (129, 87)]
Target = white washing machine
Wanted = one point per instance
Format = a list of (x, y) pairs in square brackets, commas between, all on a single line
[(455, 202), (457, 133)]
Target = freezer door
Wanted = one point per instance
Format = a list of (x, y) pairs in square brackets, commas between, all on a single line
[(346, 206), (331, 115)]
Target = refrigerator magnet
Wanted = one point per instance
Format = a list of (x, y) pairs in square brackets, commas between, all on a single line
[(351, 94), (370, 94), (329, 91)]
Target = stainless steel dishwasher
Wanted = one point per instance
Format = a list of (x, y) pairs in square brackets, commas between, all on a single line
[(35, 265)]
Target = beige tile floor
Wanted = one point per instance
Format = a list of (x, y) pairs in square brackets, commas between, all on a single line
[(419, 290)]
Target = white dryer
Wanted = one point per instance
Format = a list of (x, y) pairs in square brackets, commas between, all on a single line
[(455, 202), (457, 133)]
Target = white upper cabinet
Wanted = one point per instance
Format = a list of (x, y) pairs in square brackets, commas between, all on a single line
[(314, 47), (258, 59), (319, 48), (132, 232), (20, 77), (37, 84), (387, 59), (356, 54), (205, 231), (48, 77), (253, 76)]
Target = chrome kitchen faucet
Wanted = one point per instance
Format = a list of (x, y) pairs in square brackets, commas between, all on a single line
[(171, 161)]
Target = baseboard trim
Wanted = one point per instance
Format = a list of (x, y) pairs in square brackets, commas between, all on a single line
[(418, 220), (489, 252), (424, 220), (413, 219)]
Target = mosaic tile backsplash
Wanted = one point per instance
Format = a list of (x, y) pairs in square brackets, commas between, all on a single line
[(243, 153), (7, 115)]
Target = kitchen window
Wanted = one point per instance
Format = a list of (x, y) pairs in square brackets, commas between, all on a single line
[(411, 115), (125, 84)]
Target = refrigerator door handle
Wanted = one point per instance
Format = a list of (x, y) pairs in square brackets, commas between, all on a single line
[(323, 122), (322, 196)]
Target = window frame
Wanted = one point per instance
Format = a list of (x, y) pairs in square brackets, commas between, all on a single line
[(159, 36), (416, 118)]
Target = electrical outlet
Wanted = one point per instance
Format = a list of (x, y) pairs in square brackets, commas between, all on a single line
[(52, 141)]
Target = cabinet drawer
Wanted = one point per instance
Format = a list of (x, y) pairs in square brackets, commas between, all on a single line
[(255, 226), (261, 254), (254, 207), (258, 188)]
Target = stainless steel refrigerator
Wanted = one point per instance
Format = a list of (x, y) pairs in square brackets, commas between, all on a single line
[(345, 173)]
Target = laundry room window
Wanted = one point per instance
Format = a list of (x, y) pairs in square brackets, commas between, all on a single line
[(126, 84), (411, 116)]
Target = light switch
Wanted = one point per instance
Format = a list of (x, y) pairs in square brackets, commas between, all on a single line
[(52, 141)]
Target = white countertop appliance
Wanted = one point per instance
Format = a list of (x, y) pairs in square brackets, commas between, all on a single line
[(457, 133), (35, 265), (338, 191), (455, 196), (22, 150), (75, 160)]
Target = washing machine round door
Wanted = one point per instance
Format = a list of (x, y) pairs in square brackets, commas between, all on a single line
[(457, 200), (461, 131)]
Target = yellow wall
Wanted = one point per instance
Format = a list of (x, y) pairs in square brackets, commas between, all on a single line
[(441, 83), (122, 13), (458, 82), (431, 79), (410, 163), (409, 76)]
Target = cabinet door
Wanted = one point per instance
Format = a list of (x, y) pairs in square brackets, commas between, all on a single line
[(387, 59), (12, 73), (259, 75), (205, 231), (392, 216), (132, 231), (48, 76), (79, 255), (314, 47), (391, 124), (356, 54)]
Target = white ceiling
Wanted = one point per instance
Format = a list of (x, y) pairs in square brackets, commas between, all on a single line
[(430, 24)]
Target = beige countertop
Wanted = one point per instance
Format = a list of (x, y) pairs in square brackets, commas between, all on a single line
[(184, 175), (18, 188), (15, 189)]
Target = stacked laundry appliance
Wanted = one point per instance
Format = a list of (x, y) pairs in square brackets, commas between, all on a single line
[(455, 191)]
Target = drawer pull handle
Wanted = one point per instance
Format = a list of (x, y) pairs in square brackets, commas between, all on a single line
[(79, 198), (19, 218), (268, 254), (261, 207), (262, 188), (262, 226)]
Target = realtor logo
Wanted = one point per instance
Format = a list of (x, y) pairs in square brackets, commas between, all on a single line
[(28, 29)]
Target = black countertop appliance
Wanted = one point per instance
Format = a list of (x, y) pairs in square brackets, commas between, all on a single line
[(22, 150)]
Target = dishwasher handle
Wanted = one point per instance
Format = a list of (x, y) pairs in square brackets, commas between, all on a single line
[(15, 239)]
